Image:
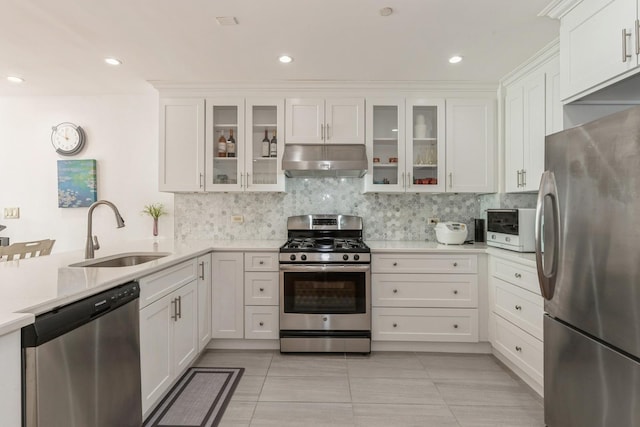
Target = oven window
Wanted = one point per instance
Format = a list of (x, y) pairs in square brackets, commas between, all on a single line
[(505, 222), (324, 292)]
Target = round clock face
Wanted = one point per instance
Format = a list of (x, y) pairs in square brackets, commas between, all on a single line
[(67, 138)]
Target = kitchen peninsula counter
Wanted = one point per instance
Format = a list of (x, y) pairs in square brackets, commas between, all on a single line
[(33, 286)]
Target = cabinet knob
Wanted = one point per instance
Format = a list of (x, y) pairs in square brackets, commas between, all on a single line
[(325, 318), (395, 291), (518, 275), (455, 292), (395, 325), (455, 264), (395, 264), (455, 326), (261, 289), (518, 307), (518, 348), (261, 262), (261, 323)]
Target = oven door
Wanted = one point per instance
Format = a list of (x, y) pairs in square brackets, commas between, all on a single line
[(325, 297)]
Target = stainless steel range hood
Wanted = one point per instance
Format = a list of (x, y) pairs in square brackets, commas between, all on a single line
[(319, 160)]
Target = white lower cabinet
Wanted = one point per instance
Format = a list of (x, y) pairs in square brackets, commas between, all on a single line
[(424, 297), (204, 301), (168, 341), (261, 296), (227, 296), (10, 387), (516, 317)]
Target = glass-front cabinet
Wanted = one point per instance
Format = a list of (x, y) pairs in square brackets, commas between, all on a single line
[(425, 145), (225, 144), (264, 144), (238, 156), (385, 139), (405, 145)]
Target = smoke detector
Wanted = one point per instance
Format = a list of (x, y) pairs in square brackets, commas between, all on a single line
[(227, 20), (386, 11)]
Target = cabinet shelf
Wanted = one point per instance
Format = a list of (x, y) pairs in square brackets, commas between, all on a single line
[(265, 159), (385, 139), (426, 139), (265, 125), (225, 125), (225, 159), (416, 166), (385, 165)]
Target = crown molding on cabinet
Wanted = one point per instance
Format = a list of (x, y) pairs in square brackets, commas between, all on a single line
[(533, 62), (558, 8), (264, 88)]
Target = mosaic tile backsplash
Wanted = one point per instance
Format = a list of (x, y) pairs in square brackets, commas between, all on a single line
[(386, 216)]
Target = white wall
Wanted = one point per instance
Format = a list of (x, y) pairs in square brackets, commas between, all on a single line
[(122, 135)]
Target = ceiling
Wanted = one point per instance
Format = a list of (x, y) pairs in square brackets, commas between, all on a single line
[(58, 46)]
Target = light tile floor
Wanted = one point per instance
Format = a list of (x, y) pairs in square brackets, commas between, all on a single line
[(382, 389)]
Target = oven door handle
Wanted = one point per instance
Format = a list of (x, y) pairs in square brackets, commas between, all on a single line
[(347, 268)]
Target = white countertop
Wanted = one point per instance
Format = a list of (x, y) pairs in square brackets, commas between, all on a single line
[(33, 286), (423, 246)]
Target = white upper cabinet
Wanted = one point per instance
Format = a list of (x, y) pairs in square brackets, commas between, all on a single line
[(532, 110), (599, 41), (319, 120), (470, 146), (425, 146), (181, 144), (385, 145), (225, 161)]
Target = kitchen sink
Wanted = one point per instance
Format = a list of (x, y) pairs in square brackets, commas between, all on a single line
[(122, 260)]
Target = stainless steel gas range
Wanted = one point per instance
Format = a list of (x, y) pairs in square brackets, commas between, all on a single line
[(325, 286)]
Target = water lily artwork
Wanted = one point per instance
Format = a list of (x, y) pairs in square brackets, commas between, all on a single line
[(77, 183)]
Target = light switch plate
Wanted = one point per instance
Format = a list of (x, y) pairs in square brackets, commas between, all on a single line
[(11, 213)]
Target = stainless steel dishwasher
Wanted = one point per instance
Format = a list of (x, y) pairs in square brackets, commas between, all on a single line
[(81, 363)]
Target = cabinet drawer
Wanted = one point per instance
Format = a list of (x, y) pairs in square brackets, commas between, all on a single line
[(518, 346), (261, 261), (261, 322), (518, 274), (424, 290), (157, 285), (261, 288), (425, 324), (521, 307), (424, 263)]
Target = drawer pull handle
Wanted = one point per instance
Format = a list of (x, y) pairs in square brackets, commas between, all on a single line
[(455, 326), (261, 323), (261, 289), (395, 325), (518, 307), (395, 291), (395, 264), (518, 349), (261, 262), (455, 264), (455, 292), (518, 275)]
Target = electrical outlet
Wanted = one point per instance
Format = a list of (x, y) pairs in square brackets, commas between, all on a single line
[(11, 213), (434, 220), (237, 219)]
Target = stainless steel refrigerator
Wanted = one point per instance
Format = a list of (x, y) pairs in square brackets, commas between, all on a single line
[(588, 221)]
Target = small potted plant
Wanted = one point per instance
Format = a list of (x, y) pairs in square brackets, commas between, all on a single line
[(155, 211)]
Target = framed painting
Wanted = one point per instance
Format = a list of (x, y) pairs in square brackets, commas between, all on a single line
[(77, 183)]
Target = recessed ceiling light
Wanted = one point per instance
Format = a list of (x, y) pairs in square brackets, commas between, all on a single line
[(112, 61), (455, 59), (285, 59), (15, 79), (386, 11)]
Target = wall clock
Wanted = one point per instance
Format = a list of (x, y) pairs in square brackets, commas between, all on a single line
[(68, 139)]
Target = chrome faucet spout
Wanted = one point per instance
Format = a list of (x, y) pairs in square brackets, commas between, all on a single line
[(90, 246)]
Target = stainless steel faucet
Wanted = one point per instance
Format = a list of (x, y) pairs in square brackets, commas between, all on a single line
[(94, 245)]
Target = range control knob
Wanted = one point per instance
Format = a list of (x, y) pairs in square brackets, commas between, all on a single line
[(303, 257), (292, 257), (356, 257), (345, 257)]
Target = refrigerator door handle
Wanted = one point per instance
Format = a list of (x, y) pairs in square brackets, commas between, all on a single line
[(547, 274)]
